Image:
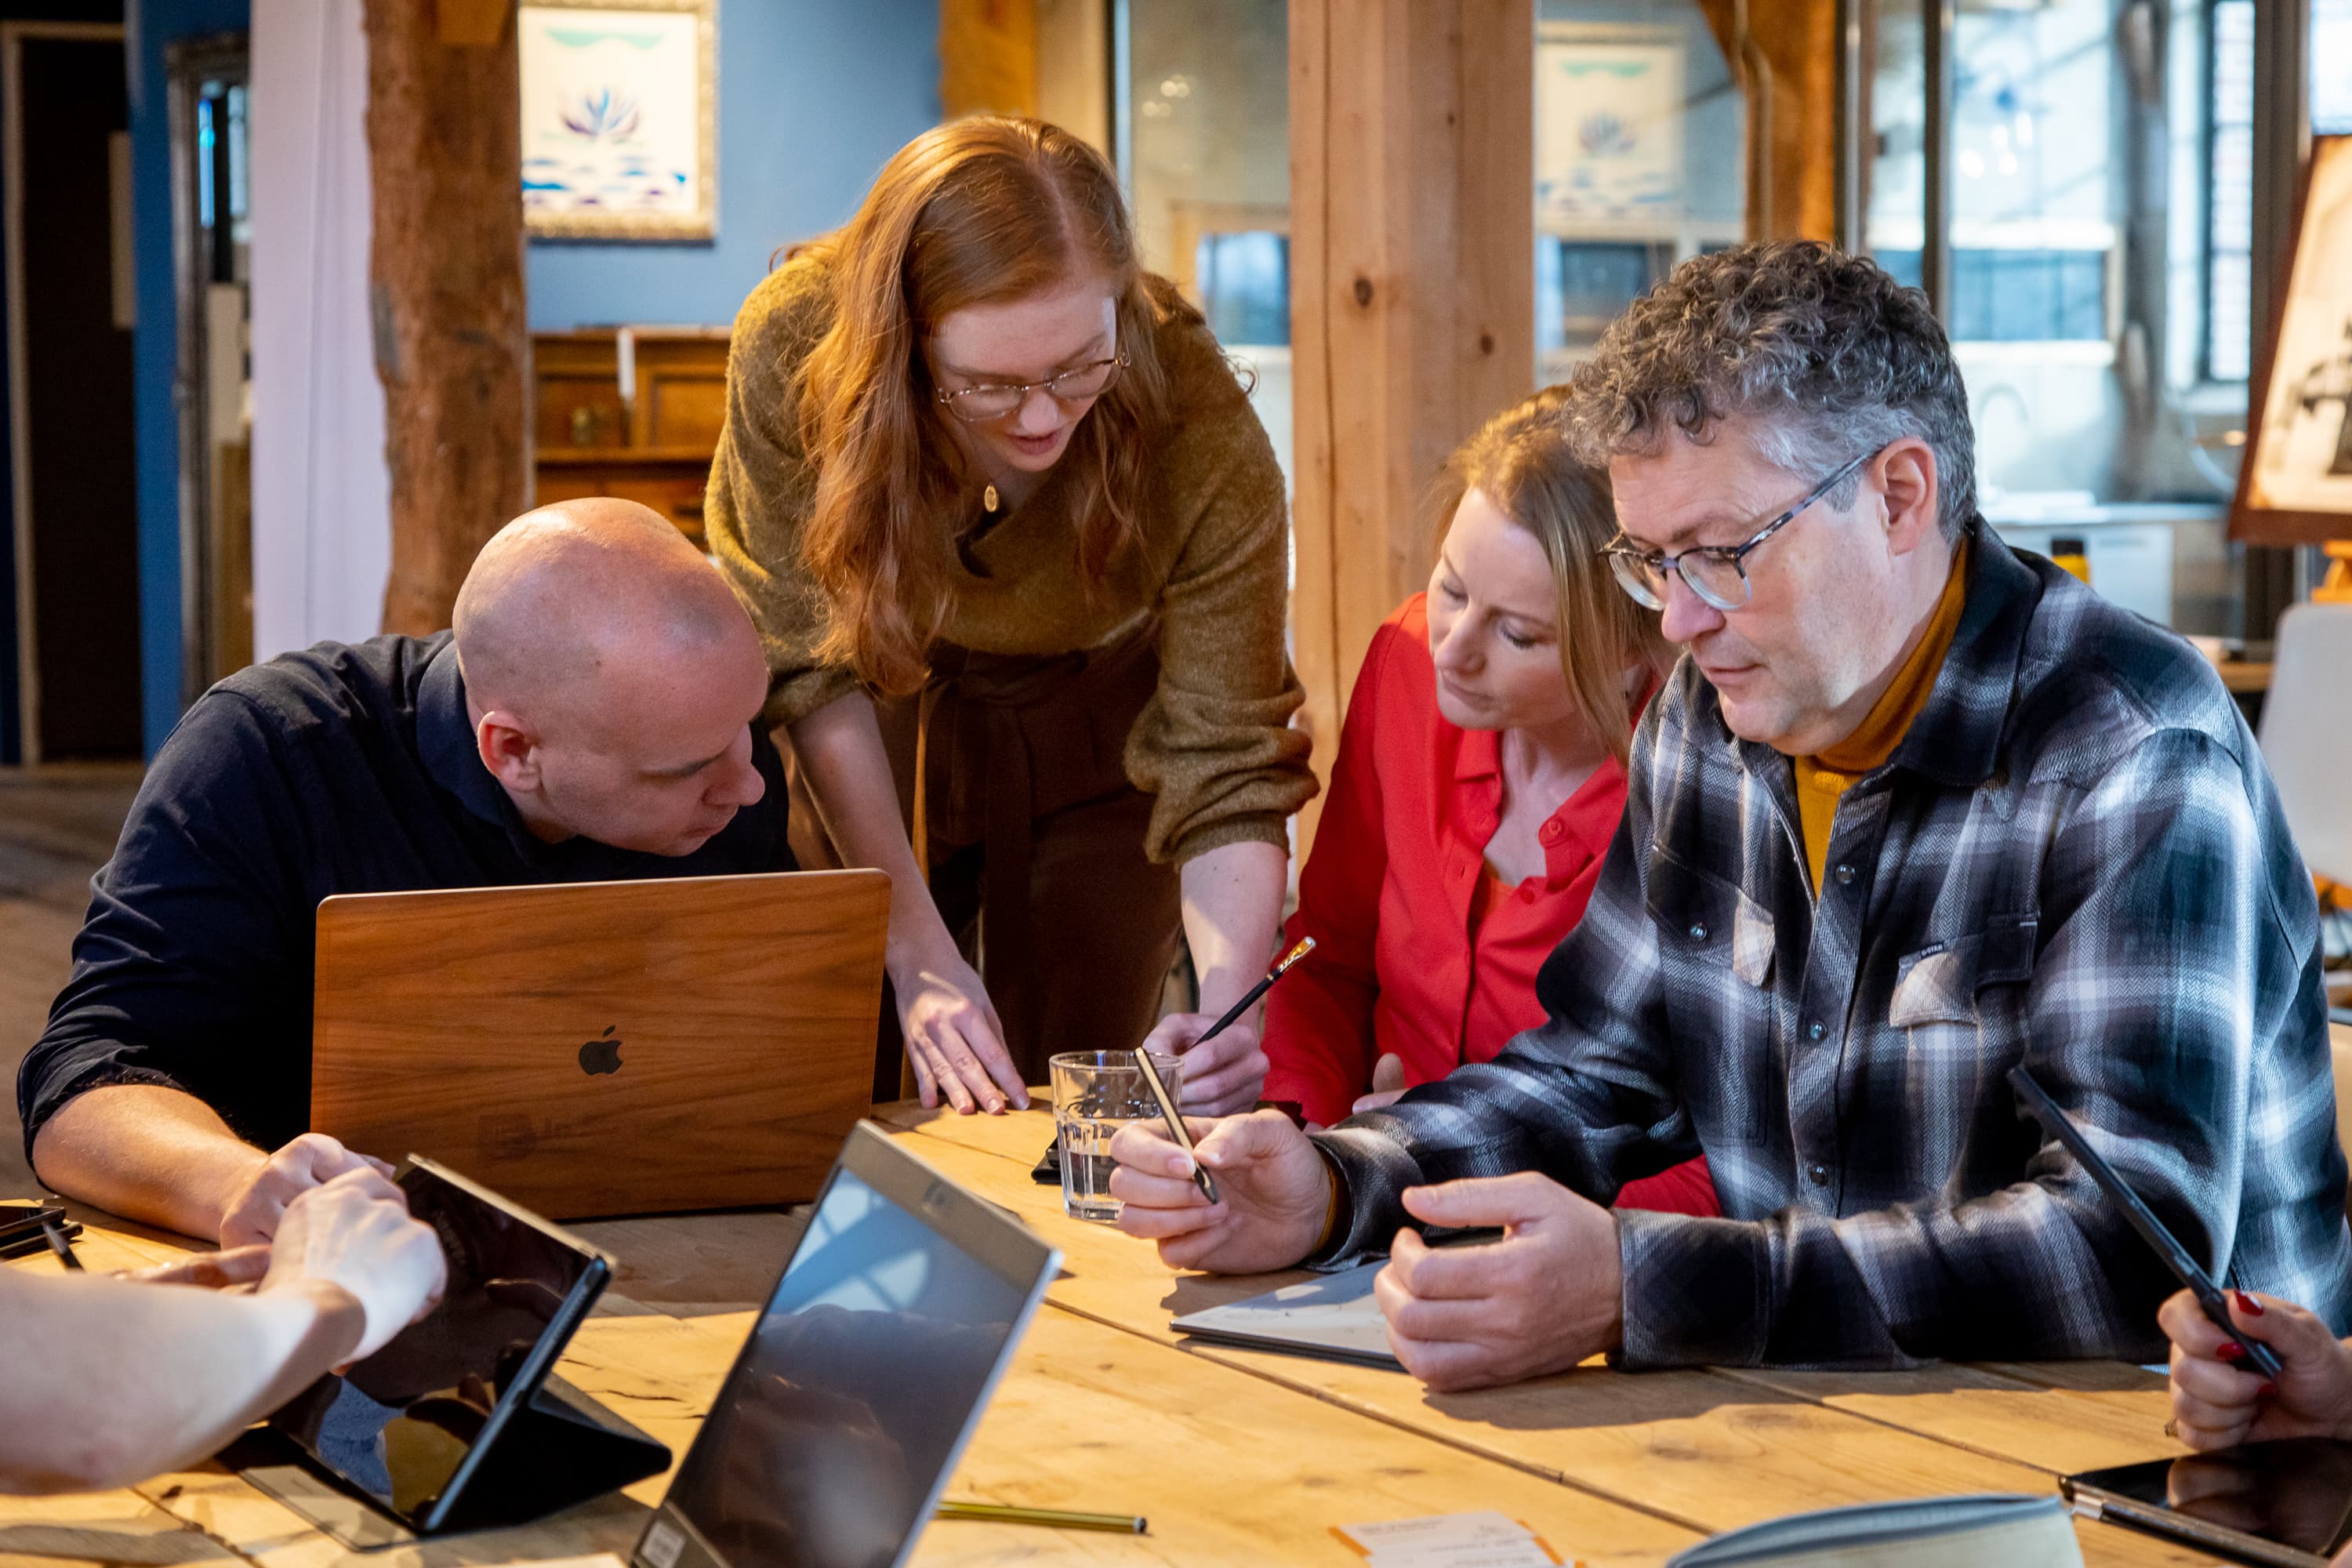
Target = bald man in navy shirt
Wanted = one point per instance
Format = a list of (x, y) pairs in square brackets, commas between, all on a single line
[(591, 717)]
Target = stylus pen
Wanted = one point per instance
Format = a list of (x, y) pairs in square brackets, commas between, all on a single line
[(1059, 1518), (1282, 967), (61, 1243), (2185, 1268)]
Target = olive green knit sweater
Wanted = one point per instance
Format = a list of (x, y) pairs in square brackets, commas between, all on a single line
[(1213, 746)]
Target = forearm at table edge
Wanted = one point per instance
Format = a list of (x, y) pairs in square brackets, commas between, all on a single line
[(140, 1379), (146, 1151), (1782, 1291)]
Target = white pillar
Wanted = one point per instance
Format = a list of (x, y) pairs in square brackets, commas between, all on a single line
[(321, 495)]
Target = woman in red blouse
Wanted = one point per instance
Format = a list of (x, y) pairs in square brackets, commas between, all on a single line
[(1480, 777)]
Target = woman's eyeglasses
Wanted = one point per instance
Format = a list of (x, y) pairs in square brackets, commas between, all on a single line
[(1716, 574), (980, 405)]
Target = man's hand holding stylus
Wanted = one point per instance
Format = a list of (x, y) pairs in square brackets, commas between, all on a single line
[(1274, 1192)]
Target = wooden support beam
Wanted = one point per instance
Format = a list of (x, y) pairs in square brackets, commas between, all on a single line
[(445, 139), (473, 23), (1413, 295), (988, 58), (1786, 65)]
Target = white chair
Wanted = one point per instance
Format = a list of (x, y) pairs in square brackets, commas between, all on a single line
[(2306, 736)]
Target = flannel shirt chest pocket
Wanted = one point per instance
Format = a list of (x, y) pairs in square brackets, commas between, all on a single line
[(1968, 981), (1716, 941)]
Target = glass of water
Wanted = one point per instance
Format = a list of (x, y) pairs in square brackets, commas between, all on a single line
[(1096, 1093)]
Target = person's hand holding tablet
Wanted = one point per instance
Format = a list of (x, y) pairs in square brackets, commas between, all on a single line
[(354, 1235), (2216, 1404)]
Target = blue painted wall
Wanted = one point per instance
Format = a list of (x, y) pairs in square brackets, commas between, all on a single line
[(813, 95), (151, 24)]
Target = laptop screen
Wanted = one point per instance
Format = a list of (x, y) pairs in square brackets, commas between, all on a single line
[(830, 1439), (401, 1425)]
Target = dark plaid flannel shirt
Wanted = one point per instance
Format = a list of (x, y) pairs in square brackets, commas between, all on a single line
[(2075, 860)]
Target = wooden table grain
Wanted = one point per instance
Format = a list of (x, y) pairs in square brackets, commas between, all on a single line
[(1235, 1456)]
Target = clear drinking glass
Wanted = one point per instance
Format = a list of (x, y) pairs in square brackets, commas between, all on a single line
[(1096, 1093)]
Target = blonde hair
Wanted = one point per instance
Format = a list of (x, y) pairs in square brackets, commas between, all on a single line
[(1523, 461), (980, 211)]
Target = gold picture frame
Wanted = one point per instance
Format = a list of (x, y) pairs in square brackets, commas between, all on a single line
[(2295, 485), (620, 119)]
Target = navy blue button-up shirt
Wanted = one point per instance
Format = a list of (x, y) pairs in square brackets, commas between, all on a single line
[(336, 770)]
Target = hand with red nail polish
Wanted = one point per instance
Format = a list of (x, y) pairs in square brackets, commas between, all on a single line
[(2216, 1403)]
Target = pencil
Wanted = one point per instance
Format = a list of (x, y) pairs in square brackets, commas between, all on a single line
[(60, 1244), (1306, 945), (1061, 1519)]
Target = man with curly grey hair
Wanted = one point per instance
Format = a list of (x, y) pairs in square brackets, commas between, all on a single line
[(1917, 809)]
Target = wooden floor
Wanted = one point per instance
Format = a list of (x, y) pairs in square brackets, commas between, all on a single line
[(57, 826)]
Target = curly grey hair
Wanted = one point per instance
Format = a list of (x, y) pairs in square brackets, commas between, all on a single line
[(1821, 355)]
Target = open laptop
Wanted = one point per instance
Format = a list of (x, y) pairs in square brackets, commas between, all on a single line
[(606, 1048), (836, 1430)]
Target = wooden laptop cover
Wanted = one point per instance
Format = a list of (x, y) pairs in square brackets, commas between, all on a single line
[(606, 1048)]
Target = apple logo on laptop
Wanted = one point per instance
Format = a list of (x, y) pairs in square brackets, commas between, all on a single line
[(601, 1055)]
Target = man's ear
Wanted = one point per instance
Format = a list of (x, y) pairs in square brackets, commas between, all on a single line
[(510, 751), (1906, 474)]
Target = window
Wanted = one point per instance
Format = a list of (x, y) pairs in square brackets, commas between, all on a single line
[(2229, 191)]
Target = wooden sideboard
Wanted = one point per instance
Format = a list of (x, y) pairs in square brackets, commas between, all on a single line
[(652, 443)]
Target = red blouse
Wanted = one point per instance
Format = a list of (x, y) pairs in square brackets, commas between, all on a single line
[(1420, 951)]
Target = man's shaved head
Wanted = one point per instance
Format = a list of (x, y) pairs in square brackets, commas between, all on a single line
[(603, 653), (578, 604)]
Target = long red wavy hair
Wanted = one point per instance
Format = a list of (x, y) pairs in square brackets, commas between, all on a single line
[(977, 212)]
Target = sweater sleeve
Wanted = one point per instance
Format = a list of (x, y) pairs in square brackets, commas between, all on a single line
[(763, 489), (1318, 1022), (1214, 745)]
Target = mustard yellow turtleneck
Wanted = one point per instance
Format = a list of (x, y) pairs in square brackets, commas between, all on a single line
[(1822, 780)]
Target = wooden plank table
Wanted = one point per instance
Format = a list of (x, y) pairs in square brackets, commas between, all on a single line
[(1235, 1456)]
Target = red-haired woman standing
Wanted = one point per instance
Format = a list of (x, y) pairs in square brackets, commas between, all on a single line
[(1016, 545)]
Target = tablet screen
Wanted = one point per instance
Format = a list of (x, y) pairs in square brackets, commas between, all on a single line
[(400, 1423), (829, 1439), (2296, 1492)]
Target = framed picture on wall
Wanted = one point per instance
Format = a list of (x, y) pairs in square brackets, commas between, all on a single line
[(2296, 484), (1609, 124), (620, 124)]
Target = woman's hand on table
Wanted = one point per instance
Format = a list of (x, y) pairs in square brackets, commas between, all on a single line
[(953, 1037), (2216, 1404), (1222, 1077), (1273, 1192)]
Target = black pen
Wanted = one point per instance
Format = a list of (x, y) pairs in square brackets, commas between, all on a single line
[(2177, 1257), (1282, 967), (61, 1243)]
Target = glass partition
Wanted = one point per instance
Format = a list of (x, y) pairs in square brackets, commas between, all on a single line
[(2099, 230)]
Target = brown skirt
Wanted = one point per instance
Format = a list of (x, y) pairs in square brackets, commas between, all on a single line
[(1012, 779)]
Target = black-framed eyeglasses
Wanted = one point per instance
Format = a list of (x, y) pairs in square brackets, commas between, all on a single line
[(980, 405), (1717, 574)]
